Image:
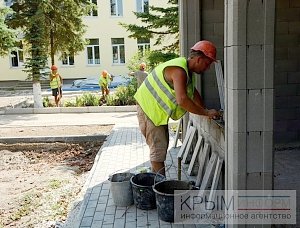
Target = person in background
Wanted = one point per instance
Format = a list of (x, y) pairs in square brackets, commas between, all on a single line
[(56, 82), (168, 92), (104, 81), (140, 75)]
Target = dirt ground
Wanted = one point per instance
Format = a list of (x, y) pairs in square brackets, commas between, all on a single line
[(39, 182), (55, 130)]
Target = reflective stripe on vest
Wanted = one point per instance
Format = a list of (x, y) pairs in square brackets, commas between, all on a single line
[(157, 98)]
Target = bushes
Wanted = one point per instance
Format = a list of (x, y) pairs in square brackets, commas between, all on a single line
[(47, 102), (87, 99), (122, 96)]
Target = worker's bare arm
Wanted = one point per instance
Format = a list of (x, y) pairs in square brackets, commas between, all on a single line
[(178, 78), (198, 99)]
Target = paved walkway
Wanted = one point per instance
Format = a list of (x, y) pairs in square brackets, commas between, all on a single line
[(124, 149)]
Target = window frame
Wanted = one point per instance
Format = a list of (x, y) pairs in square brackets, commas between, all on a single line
[(144, 45), (16, 55), (142, 3), (93, 46), (118, 8), (93, 12), (68, 58), (120, 48)]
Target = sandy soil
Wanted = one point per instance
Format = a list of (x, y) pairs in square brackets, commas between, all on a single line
[(43, 179)]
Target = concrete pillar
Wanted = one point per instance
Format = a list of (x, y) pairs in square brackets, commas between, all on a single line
[(248, 68), (190, 26)]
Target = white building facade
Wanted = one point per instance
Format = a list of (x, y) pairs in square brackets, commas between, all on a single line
[(109, 47)]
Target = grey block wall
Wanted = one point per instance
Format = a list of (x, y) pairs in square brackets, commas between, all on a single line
[(287, 72), (286, 61), (249, 51), (212, 29)]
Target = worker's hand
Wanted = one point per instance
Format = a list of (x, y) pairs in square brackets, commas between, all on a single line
[(213, 114)]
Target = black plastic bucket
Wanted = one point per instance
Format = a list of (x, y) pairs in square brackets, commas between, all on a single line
[(165, 197), (142, 189)]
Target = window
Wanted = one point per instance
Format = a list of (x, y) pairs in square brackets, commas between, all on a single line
[(67, 59), (142, 6), (94, 11), (17, 58), (93, 52), (118, 50), (116, 8), (143, 45)]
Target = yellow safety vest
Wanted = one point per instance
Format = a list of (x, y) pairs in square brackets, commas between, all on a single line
[(104, 81), (157, 98), (55, 82)]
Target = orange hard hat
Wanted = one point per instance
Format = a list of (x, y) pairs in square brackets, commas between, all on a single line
[(207, 47), (53, 67)]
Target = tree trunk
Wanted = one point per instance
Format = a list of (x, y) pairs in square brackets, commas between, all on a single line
[(52, 47), (37, 94)]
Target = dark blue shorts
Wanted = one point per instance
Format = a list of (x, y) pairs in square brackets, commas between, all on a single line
[(55, 92)]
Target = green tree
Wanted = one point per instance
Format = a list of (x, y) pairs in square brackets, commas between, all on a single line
[(158, 23), (134, 63), (65, 26), (8, 37), (29, 16), (49, 27)]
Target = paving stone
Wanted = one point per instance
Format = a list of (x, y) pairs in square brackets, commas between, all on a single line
[(130, 225), (152, 215), (189, 225), (142, 221), (153, 224), (86, 221), (101, 207), (141, 213), (107, 225), (96, 224), (110, 210), (89, 212), (103, 200), (132, 209), (177, 226), (99, 215), (92, 203), (108, 219), (94, 196), (131, 217), (119, 223), (120, 213), (110, 203)]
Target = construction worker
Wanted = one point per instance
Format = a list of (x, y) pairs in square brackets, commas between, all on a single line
[(168, 92), (56, 82), (141, 74), (104, 81)]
